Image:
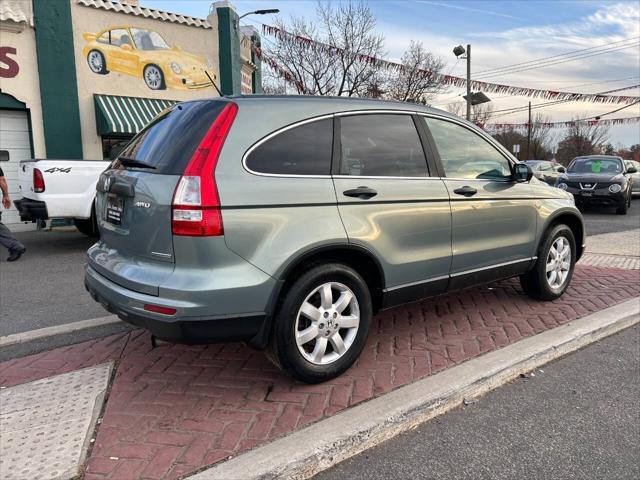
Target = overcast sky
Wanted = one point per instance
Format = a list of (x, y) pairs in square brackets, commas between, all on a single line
[(501, 32)]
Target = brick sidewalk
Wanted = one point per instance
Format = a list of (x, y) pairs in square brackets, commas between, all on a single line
[(175, 409)]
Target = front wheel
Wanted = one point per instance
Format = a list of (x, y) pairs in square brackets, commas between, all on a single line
[(153, 77), (322, 323), (622, 209), (553, 270)]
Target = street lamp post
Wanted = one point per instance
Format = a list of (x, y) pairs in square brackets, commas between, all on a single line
[(259, 12), (468, 82), (458, 51)]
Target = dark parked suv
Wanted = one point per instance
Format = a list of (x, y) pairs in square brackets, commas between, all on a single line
[(287, 222), (601, 180)]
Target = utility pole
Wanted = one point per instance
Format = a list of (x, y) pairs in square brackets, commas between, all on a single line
[(468, 82), (528, 133)]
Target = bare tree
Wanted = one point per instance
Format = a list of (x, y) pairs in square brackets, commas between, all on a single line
[(540, 147), (417, 82), (581, 138), (320, 69)]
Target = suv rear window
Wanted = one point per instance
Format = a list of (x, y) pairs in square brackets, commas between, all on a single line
[(301, 150), (169, 141)]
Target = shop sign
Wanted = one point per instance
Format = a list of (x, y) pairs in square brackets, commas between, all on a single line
[(9, 68)]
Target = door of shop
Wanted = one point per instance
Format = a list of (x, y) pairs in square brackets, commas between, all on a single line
[(15, 145)]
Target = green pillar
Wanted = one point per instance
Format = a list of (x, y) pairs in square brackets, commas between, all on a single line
[(229, 48), (257, 75), (57, 73)]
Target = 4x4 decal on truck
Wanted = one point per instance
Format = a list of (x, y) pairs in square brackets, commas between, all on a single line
[(58, 169)]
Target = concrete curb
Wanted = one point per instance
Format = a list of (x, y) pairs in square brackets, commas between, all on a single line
[(317, 447), (31, 335)]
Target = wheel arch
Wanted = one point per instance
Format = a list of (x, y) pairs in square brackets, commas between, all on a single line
[(572, 220), (357, 257)]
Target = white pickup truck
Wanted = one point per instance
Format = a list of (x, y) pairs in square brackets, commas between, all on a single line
[(60, 189)]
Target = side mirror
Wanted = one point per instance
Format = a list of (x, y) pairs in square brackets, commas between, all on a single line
[(126, 46), (632, 170), (522, 172), (562, 170)]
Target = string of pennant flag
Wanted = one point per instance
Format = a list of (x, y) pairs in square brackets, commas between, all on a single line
[(452, 80), (524, 126)]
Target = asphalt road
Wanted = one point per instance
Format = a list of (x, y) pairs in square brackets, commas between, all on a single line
[(605, 220), (578, 418), (45, 287)]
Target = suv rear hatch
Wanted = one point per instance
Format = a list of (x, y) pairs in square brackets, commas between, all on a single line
[(139, 195)]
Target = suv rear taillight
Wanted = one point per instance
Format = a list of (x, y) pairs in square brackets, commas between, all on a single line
[(38, 181), (196, 204)]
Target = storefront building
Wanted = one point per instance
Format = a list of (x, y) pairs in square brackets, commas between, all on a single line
[(80, 77)]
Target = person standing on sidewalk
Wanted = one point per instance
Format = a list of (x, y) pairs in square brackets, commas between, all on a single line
[(7, 240)]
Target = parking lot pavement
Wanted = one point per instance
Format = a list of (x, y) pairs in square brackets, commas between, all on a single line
[(175, 409), (46, 286), (605, 220), (576, 418)]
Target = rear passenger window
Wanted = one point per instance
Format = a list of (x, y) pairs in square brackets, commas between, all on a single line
[(381, 145), (303, 150)]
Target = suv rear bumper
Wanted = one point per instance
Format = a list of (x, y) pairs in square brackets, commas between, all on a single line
[(181, 328), (31, 210)]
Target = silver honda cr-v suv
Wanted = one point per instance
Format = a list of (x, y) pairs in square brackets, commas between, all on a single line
[(287, 222)]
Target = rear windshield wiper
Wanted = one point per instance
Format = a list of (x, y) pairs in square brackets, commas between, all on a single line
[(132, 162)]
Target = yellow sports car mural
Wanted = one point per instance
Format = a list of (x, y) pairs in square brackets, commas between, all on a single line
[(145, 54)]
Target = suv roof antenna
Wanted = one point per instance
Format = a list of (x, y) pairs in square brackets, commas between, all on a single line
[(213, 83)]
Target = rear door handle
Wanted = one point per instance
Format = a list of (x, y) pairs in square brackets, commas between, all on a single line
[(467, 191), (361, 192)]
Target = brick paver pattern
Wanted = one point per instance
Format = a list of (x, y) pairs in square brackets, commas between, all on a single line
[(175, 409)]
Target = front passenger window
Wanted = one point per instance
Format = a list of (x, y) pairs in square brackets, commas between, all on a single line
[(464, 154)]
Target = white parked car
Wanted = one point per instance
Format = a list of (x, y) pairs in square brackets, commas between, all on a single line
[(60, 189)]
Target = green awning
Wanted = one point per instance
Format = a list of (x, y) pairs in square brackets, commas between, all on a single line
[(126, 115)]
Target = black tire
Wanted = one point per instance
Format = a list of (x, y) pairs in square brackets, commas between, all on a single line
[(153, 84), (283, 349), (534, 283), (100, 68), (622, 209), (88, 226)]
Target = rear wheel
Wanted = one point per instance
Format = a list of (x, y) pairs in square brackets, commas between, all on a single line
[(322, 323), (88, 226), (96, 62), (554, 268)]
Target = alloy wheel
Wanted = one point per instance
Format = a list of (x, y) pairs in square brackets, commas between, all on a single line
[(95, 61), (327, 323), (153, 77), (558, 263)]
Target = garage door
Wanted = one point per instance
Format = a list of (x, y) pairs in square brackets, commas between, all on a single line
[(14, 143)]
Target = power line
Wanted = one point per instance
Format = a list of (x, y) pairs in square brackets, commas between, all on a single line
[(552, 63), (542, 59)]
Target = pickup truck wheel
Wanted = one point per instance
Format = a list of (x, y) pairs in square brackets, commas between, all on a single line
[(322, 323), (88, 226), (553, 270)]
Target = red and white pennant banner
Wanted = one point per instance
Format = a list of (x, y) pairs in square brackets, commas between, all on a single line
[(452, 80), (523, 126)]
